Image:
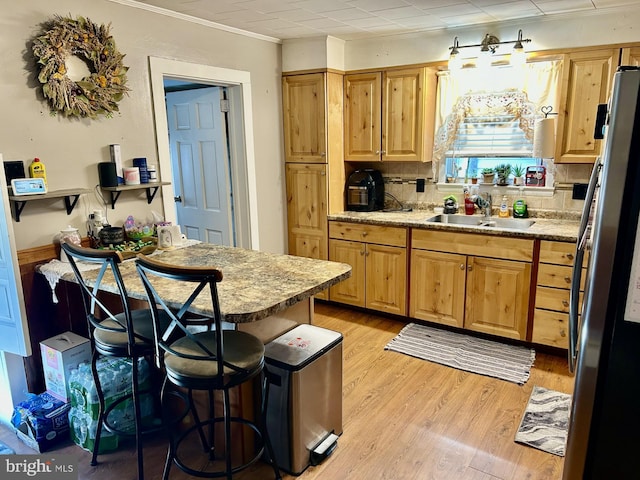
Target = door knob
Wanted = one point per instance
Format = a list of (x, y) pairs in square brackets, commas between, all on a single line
[(177, 199)]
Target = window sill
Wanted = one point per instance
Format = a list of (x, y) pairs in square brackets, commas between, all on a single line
[(500, 190)]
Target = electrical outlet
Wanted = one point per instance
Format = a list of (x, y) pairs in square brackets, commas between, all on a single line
[(419, 185), (579, 191)]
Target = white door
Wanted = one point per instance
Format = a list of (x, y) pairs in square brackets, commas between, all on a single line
[(14, 333), (200, 165)]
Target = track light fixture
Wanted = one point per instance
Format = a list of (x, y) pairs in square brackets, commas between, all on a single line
[(488, 47)]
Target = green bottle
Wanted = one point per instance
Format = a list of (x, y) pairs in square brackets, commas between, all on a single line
[(520, 209)]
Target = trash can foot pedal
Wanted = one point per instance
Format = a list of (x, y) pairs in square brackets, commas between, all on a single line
[(324, 449)]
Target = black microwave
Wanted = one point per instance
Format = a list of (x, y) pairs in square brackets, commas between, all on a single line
[(365, 190)]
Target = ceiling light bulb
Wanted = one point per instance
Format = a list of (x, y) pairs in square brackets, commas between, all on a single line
[(455, 62), (518, 56)]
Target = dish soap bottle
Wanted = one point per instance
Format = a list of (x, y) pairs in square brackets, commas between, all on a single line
[(37, 170), (504, 209), (520, 209)]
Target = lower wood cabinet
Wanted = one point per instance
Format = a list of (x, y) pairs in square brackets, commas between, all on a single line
[(551, 315), (378, 257), (477, 282)]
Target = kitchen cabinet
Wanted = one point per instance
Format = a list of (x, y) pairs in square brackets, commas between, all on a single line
[(472, 281), (378, 257), (587, 78), (389, 115), (551, 315), (630, 56), (314, 171)]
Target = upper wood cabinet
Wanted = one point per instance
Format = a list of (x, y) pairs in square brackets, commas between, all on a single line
[(389, 115), (305, 120), (630, 56), (586, 82)]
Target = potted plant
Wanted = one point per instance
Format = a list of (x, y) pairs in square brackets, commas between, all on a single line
[(503, 171), (471, 174), (518, 174), (487, 175)]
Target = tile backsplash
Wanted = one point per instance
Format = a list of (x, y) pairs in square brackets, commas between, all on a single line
[(400, 181)]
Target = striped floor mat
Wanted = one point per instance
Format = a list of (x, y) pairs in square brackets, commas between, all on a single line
[(545, 421), (486, 357)]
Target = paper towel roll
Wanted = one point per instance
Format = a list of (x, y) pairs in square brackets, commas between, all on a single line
[(544, 143)]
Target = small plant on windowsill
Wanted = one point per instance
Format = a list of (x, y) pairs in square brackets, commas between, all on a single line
[(503, 171), (518, 175), (487, 175)]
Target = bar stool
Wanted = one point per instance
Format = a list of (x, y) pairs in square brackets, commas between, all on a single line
[(209, 360), (125, 335)]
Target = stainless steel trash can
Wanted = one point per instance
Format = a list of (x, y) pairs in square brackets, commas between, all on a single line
[(304, 409)]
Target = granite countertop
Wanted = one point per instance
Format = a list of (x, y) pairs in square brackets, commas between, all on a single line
[(255, 284), (544, 228)]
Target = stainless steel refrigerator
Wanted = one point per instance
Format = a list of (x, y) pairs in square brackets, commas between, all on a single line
[(604, 348)]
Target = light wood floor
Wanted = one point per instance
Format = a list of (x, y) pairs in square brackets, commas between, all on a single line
[(404, 418)]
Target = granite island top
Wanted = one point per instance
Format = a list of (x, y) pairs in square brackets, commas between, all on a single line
[(255, 284), (563, 230)]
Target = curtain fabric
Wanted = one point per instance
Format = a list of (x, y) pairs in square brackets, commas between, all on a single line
[(518, 91)]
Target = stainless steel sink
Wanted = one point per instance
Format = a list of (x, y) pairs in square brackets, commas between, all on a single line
[(493, 222), (456, 219)]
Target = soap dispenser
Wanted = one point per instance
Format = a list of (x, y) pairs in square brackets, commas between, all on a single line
[(504, 208), (520, 209)]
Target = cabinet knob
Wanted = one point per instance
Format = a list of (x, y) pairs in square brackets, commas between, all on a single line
[(469, 268), (364, 234), (323, 154), (378, 152), (563, 333), (570, 256), (177, 199), (361, 252), (567, 279), (462, 266), (565, 303)]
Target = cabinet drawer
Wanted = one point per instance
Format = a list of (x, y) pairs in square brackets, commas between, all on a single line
[(559, 253), (492, 246), (361, 232), (558, 276), (551, 328), (554, 299)]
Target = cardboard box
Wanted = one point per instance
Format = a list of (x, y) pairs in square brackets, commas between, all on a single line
[(60, 355), (42, 421)]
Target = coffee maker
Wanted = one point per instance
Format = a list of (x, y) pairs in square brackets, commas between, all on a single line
[(365, 190)]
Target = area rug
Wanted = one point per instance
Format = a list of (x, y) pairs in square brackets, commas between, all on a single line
[(545, 421), (494, 359)]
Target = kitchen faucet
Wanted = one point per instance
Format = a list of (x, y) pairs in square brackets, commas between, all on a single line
[(484, 202)]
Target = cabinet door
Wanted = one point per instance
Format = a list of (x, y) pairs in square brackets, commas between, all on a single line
[(437, 287), (362, 102), (350, 291), (307, 209), (497, 297), (586, 82), (304, 107), (630, 56), (403, 115), (386, 279)]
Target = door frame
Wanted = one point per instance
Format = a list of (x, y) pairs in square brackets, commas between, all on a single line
[(241, 146)]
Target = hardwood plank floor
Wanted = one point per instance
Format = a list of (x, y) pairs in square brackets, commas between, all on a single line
[(404, 418)]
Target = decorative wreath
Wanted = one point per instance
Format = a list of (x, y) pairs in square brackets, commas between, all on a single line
[(96, 94)]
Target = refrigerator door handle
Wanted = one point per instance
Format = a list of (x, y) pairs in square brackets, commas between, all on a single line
[(576, 276)]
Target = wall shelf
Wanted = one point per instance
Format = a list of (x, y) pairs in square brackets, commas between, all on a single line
[(70, 199), (151, 189)]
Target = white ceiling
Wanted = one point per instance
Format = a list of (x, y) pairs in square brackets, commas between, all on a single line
[(353, 19)]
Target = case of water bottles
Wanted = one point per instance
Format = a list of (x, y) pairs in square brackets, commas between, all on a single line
[(115, 378)]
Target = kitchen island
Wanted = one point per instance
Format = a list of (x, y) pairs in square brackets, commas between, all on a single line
[(261, 293)]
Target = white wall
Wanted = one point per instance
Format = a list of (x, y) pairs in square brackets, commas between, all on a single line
[(72, 148)]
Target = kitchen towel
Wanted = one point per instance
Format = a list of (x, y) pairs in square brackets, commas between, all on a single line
[(472, 354), (545, 421)]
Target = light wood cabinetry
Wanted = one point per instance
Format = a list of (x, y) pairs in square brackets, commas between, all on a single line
[(630, 56), (389, 115), (378, 257), (551, 317), (586, 82), (312, 110), (478, 282)]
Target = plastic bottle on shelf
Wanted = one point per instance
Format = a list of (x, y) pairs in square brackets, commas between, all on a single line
[(38, 170), (504, 208)]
